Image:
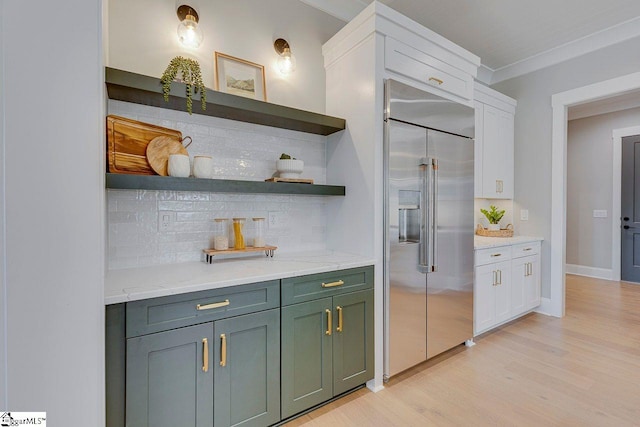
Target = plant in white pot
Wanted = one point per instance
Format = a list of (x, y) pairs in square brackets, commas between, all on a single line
[(289, 167), (494, 216)]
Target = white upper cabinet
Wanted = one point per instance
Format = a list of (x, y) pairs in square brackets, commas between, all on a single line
[(494, 144)]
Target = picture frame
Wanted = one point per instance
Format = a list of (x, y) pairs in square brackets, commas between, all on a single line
[(240, 77)]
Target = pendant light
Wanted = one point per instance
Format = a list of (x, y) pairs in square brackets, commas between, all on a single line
[(189, 34)]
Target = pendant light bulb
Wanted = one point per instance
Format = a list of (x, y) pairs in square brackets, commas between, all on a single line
[(286, 62), (189, 33)]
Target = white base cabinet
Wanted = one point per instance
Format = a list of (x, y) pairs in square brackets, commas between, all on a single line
[(506, 285)]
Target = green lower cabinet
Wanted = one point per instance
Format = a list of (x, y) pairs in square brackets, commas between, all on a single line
[(166, 384), (327, 349), (307, 378), (353, 345), (247, 370)]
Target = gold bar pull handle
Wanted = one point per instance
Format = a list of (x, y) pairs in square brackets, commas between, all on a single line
[(339, 328), (333, 284), (223, 350), (224, 303), (435, 80), (329, 322), (205, 355)]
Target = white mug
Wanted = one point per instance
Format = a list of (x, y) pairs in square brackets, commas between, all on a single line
[(179, 165), (202, 166)]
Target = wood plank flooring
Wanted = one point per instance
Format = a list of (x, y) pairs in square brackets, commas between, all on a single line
[(581, 370)]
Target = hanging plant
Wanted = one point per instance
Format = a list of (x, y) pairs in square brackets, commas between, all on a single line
[(191, 76)]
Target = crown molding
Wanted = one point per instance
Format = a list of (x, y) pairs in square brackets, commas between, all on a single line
[(345, 10), (598, 40)]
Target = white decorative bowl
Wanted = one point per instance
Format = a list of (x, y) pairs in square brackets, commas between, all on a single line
[(494, 227), (289, 168)]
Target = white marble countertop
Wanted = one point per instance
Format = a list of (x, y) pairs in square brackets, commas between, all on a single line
[(483, 242), (133, 284)]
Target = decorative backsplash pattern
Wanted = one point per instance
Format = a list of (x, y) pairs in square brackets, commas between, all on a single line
[(240, 151)]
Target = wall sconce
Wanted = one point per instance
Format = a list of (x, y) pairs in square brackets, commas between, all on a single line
[(286, 62), (189, 33)]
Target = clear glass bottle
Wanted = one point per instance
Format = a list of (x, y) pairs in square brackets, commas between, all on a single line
[(258, 234), (221, 234), (238, 224)]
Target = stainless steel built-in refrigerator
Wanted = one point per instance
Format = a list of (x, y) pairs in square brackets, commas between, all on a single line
[(429, 225)]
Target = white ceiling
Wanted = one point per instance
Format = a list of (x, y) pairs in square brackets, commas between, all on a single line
[(515, 34)]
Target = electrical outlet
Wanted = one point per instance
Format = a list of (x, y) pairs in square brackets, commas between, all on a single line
[(278, 220), (524, 214), (166, 220)]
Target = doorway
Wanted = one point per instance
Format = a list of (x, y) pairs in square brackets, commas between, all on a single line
[(630, 210)]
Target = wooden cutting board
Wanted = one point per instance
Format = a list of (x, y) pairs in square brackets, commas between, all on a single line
[(159, 150), (127, 142)]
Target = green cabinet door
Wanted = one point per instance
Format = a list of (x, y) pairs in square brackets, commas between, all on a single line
[(247, 370), (352, 340), (307, 377), (168, 381)]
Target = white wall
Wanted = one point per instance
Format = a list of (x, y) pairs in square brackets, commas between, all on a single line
[(533, 130), (589, 180), (54, 208), (143, 39)]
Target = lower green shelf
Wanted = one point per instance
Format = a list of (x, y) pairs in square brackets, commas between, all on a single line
[(156, 182)]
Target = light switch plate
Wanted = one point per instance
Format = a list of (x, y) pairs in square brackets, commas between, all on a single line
[(599, 213), (524, 214)]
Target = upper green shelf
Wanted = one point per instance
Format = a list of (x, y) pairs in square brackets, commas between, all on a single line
[(145, 90)]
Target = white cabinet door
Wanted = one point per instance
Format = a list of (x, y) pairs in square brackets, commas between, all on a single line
[(478, 144), (503, 291), (497, 153), (484, 298), (532, 284), (520, 275)]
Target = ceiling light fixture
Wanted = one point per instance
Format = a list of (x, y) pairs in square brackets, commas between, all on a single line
[(189, 33), (286, 62)]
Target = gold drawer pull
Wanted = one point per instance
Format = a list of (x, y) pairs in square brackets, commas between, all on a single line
[(339, 328), (205, 355), (433, 79), (527, 249), (329, 323), (223, 350), (495, 255), (332, 284), (214, 305)]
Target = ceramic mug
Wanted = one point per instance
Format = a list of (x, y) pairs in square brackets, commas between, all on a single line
[(179, 165), (202, 166)]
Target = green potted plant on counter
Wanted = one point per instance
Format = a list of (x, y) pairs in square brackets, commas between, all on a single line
[(191, 75), (494, 216)]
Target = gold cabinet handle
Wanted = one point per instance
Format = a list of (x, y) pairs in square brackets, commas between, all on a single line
[(205, 355), (527, 249), (329, 322), (224, 303), (500, 279), (433, 79), (332, 284), (339, 328), (223, 350), (495, 255), (495, 277)]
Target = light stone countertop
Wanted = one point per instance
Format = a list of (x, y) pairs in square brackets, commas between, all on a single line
[(483, 242), (133, 284)]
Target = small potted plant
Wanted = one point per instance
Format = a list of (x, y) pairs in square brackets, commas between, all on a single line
[(189, 69), (289, 167), (493, 216)]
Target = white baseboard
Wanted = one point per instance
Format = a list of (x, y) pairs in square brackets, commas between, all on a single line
[(582, 270), (375, 386), (545, 307)]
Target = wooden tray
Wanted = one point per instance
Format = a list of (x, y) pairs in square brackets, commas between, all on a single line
[(210, 253), (298, 180), (127, 142), (504, 232)]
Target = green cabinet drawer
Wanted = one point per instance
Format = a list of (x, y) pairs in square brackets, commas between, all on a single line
[(307, 288), (176, 311)]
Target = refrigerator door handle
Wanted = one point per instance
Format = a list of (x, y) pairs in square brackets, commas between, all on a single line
[(429, 217)]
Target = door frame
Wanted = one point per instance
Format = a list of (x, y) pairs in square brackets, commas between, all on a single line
[(616, 249), (555, 305)]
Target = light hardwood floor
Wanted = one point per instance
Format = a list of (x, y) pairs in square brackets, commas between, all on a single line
[(582, 370)]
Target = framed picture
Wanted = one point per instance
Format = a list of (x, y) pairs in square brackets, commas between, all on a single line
[(239, 77)]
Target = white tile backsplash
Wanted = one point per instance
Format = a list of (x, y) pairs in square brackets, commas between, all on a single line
[(240, 151)]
